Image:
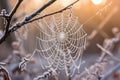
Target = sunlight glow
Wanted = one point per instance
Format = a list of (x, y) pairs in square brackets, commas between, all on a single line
[(97, 2), (79, 4), (66, 2), (37, 2)]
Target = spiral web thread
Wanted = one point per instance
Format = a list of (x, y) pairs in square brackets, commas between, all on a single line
[(61, 42)]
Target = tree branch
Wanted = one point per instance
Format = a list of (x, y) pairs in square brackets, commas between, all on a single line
[(7, 19), (15, 8), (59, 11), (39, 10), (27, 19), (11, 15), (8, 30)]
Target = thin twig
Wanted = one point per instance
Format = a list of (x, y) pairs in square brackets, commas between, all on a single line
[(39, 10), (107, 52), (11, 15), (44, 76), (15, 8), (59, 11)]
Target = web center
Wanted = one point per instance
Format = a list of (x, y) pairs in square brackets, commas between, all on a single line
[(61, 36)]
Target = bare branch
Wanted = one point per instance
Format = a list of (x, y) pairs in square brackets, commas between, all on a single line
[(8, 20), (27, 19), (59, 11), (39, 10), (15, 8), (11, 15)]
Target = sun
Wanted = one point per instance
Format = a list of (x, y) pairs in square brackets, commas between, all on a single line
[(97, 2)]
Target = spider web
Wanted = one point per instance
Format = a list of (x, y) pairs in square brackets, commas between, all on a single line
[(61, 42)]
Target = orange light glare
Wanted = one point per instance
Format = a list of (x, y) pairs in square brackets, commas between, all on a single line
[(66, 2), (37, 2), (97, 2)]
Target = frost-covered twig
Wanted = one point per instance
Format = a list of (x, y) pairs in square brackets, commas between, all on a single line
[(7, 19), (44, 76), (108, 53), (59, 11), (28, 18), (3, 64), (23, 64), (5, 72), (94, 72), (108, 44), (50, 72)]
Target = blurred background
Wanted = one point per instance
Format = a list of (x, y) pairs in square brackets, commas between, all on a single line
[(98, 27)]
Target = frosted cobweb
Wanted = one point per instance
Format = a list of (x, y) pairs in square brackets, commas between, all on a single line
[(61, 42)]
